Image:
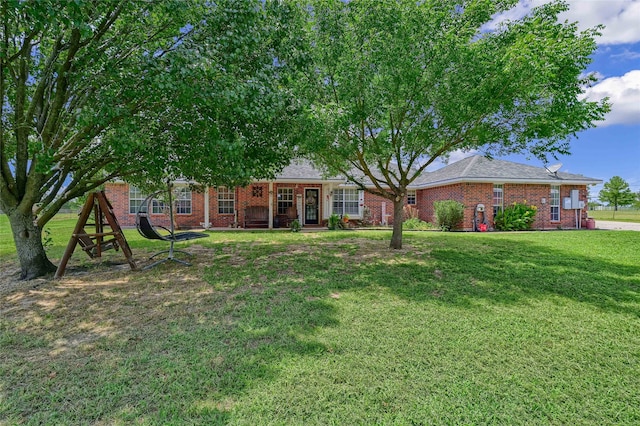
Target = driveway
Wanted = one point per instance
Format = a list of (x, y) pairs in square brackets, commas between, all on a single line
[(617, 226)]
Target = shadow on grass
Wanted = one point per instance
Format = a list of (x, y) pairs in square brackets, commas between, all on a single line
[(505, 271), (183, 345)]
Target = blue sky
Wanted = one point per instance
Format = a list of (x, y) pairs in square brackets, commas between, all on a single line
[(613, 147)]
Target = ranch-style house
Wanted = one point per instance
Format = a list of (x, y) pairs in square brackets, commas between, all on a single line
[(301, 191)]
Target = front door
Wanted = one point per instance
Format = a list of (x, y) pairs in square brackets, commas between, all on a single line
[(311, 206)]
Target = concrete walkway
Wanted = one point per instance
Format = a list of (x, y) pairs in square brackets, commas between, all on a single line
[(617, 226)]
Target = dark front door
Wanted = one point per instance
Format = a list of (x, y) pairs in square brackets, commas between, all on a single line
[(311, 206)]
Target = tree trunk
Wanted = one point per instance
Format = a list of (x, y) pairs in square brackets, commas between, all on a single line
[(398, 218), (28, 238)]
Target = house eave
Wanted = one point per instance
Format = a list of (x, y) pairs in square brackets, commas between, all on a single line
[(302, 181), (551, 181)]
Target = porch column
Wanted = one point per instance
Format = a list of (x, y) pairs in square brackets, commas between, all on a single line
[(270, 205), (207, 224), (300, 210), (327, 206)]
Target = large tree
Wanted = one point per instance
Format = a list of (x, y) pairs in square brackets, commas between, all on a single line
[(616, 192), (395, 85), (93, 90)]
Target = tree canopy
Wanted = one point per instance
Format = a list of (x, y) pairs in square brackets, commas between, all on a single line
[(616, 192), (394, 86), (139, 90)]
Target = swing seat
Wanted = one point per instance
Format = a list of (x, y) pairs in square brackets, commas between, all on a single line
[(94, 246), (150, 231)]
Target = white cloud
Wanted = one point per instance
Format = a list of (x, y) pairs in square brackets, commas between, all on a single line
[(621, 18), (624, 95), (626, 54)]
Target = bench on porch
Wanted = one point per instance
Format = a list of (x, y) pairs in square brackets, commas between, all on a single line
[(256, 217), (286, 219)]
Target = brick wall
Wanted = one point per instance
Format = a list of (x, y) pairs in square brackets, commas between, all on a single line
[(118, 195), (426, 198), (472, 194), (469, 194), (375, 203)]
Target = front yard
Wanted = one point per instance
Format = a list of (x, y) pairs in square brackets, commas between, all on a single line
[(333, 328)]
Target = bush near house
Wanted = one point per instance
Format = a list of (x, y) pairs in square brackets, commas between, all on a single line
[(448, 214), (415, 224), (516, 217)]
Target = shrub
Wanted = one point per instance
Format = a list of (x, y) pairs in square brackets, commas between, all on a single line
[(516, 217), (295, 225), (335, 222), (448, 214), (416, 224)]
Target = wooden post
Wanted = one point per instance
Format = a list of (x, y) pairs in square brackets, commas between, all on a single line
[(98, 204)]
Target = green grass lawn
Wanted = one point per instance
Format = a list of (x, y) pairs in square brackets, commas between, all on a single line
[(620, 216), (335, 328)]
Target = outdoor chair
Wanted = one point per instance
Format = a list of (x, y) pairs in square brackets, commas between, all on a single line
[(150, 231)]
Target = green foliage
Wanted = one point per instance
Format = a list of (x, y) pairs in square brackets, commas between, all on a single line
[(616, 192), (295, 226), (516, 217), (394, 85), (145, 91), (335, 222), (415, 224), (47, 240), (448, 214)]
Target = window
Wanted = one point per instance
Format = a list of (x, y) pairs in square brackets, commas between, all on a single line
[(498, 198), (411, 197), (183, 200), (346, 201), (158, 207), (285, 199), (136, 197), (226, 200), (554, 203)]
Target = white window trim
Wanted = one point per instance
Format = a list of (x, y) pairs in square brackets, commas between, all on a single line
[(360, 195), (222, 190), (140, 198), (414, 194), (500, 206), (184, 194), (552, 205), (290, 203)]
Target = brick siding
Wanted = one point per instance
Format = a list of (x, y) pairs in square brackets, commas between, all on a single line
[(469, 194)]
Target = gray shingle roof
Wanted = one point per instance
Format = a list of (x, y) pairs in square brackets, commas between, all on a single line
[(304, 170), (472, 169), (481, 169)]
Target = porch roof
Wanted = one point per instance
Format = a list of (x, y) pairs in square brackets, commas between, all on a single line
[(301, 170)]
